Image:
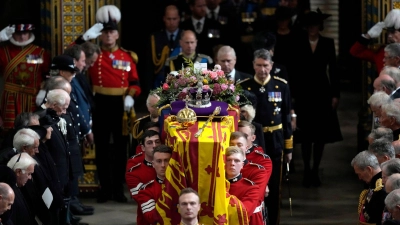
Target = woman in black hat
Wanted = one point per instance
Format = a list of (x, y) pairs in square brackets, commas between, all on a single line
[(315, 55)]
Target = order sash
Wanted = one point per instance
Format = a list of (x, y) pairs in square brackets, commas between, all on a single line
[(17, 59)]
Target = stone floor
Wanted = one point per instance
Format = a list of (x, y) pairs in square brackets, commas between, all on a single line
[(335, 202)]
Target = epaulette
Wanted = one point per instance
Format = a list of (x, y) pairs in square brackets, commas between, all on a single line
[(262, 153), (258, 165), (172, 58), (137, 155), (133, 167), (242, 81), (145, 185), (133, 55), (251, 182), (141, 118), (135, 129), (210, 60), (281, 79)]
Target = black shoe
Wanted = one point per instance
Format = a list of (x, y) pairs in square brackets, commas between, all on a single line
[(75, 219), (86, 207), (76, 209), (120, 198)]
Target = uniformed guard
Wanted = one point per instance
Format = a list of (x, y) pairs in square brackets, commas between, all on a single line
[(188, 55), (372, 199), (151, 191), (115, 84), (23, 66), (273, 112), (164, 44), (139, 169), (243, 188), (139, 124)]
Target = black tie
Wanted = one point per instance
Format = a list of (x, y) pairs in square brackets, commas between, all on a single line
[(171, 41), (213, 15), (198, 26)]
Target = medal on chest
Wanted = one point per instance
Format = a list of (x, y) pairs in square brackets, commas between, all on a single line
[(262, 89), (121, 65)]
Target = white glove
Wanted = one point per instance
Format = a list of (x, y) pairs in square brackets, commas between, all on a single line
[(40, 97), (376, 30), (6, 33), (93, 32), (128, 103)]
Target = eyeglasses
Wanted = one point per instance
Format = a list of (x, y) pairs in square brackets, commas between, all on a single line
[(19, 157)]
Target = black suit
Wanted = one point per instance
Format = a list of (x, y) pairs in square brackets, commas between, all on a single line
[(241, 76), (205, 44), (396, 94)]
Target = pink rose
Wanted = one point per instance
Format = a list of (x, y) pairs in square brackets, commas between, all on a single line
[(232, 87), (220, 73), (213, 75), (206, 87), (224, 87), (237, 98), (184, 90), (165, 87)]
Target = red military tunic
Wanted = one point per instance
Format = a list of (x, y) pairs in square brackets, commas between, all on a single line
[(258, 174), (256, 155), (114, 73), (146, 200), (360, 50), (138, 172), (23, 69), (247, 191)]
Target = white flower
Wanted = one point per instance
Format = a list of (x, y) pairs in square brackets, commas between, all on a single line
[(277, 70), (174, 73), (217, 67)]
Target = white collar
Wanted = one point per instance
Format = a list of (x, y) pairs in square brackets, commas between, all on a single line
[(22, 44)]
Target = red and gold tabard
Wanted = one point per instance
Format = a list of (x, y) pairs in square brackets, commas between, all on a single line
[(23, 69), (114, 73)]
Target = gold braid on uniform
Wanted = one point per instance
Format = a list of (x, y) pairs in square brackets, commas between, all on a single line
[(135, 129), (159, 63), (378, 185), (361, 200)]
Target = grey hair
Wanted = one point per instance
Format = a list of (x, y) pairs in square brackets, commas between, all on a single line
[(388, 84), (392, 71), (263, 54), (5, 190), (56, 82), (391, 166), (24, 137), (364, 159), (226, 49), (151, 95), (25, 160), (57, 96), (393, 49), (378, 98), (394, 181), (392, 199), (381, 132), (392, 109), (382, 147), (24, 119)]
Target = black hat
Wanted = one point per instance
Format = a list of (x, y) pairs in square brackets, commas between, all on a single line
[(22, 24), (40, 130), (283, 13), (64, 62), (314, 18), (264, 39)]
